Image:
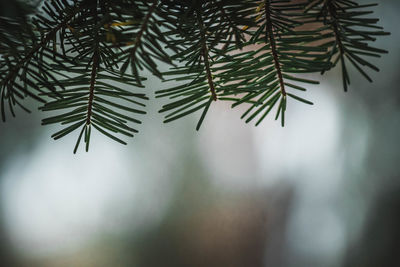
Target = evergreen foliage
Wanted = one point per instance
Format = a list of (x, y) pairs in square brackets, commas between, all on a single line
[(74, 56)]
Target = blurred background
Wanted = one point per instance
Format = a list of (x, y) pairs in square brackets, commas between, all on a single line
[(322, 191)]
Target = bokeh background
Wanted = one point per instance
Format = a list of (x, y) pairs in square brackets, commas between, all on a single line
[(322, 191)]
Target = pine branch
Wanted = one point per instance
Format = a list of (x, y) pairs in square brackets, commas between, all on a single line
[(245, 51), (32, 63), (204, 53), (139, 35), (336, 31), (89, 93), (49, 36), (91, 88), (271, 39), (344, 19), (147, 44), (203, 39), (262, 75)]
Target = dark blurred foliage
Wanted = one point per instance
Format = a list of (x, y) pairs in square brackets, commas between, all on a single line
[(379, 244), (379, 241)]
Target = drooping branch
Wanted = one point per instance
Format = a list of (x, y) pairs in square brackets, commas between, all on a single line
[(95, 66), (107, 37), (336, 31), (48, 37), (139, 35), (271, 38), (204, 53), (92, 84)]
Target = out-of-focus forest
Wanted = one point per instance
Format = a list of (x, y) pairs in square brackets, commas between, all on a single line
[(322, 191)]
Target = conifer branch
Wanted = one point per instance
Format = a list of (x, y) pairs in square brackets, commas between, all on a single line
[(138, 39), (95, 65), (271, 39), (204, 53), (201, 41), (335, 27), (142, 29), (92, 84), (93, 97), (344, 18), (49, 36), (39, 70)]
